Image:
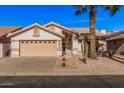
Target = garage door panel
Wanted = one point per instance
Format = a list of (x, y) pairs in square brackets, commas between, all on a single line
[(38, 48)]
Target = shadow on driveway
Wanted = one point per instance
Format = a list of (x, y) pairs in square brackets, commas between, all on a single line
[(98, 81), (117, 60)]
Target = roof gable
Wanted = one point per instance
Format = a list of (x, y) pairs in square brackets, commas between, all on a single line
[(33, 26), (59, 26)]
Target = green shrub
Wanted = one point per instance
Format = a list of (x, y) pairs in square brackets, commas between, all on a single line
[(63, 64)]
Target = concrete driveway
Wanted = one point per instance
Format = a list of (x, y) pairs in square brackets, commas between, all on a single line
[(24, 65)]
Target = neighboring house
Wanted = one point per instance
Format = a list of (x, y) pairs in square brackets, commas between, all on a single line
[(50, 39), (5, 30), (115, 42), (84, 35), (4, 40)]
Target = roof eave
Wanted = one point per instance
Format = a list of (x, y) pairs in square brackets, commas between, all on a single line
[(34, 25)]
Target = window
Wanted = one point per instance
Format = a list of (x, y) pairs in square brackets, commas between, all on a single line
[(53, 41), (44, 41), (49, 42), (35, 41), (31, 41)]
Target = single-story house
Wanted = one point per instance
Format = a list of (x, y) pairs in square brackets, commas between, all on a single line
[(51, 39), (115, 42), (37, 40)]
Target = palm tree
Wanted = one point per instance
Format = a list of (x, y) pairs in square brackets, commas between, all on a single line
[(91, 9)]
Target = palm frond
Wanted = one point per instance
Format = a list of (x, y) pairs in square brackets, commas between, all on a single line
[(81, 9), (84, 10), (114, 9), (107, 7), (78, 12)]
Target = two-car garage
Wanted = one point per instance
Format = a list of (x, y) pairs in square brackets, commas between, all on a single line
[(38, 48), (36, 40)]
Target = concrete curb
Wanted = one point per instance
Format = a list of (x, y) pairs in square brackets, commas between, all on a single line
[(56, 74)]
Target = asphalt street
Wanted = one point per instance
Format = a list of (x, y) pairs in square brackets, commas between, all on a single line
[(62, 81)]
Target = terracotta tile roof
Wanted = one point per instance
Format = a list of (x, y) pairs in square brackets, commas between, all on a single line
[(80, 30), (7, 29), (116, 36), (86, 31)]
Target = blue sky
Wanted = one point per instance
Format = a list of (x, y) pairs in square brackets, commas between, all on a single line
[(62, 14)]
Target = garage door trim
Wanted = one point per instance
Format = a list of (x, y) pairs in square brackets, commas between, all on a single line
[(34, 41)]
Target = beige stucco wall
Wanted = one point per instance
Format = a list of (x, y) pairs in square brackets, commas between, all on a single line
[(1, 49), (68, 35), (76, 45), (28, 35), (15, 44), (56, 29)]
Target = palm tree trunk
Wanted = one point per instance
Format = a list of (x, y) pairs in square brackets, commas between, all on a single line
[(92, 15)]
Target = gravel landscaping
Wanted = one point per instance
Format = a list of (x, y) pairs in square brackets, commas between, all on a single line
[(101, 66)]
